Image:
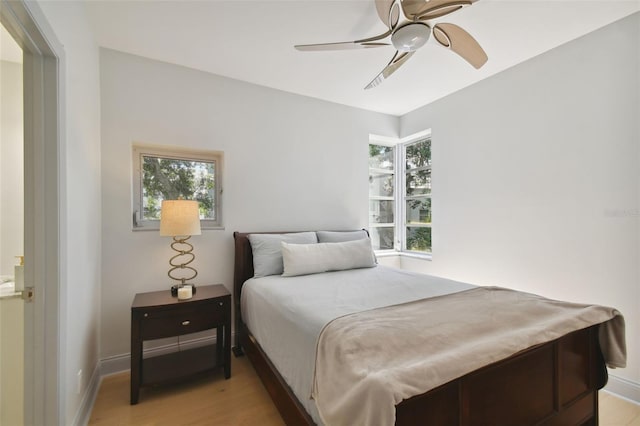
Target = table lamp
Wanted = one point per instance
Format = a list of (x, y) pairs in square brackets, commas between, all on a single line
[(180, 219)]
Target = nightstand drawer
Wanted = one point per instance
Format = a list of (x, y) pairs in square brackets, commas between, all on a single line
[(158, 324)]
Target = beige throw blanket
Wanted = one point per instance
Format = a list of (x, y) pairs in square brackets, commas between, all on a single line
[(370, 361)]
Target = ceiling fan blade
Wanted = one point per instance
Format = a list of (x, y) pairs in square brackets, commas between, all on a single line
[(383, 7), (389, 12), (396, 62), (337, 46), (364, 43), (461, 42), (421, 10)]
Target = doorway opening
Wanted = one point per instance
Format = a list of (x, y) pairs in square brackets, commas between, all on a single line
[(11, 232), (42, 133)]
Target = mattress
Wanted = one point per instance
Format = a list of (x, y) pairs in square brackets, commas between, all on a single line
[(287, 314)]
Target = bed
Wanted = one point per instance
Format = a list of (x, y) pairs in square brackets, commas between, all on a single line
[(552, 383)]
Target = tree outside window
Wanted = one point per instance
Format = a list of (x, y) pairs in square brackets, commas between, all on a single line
[(413, 184), (381, 196), (168, 173), (418, 196), (173, 179)]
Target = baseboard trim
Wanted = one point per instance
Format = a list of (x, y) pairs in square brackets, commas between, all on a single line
[(115, 364), (86, 405), (623, 388)]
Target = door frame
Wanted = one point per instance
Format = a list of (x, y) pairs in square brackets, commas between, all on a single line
[(44, 250)]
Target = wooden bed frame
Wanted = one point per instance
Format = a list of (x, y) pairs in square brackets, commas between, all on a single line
[(551, 384)]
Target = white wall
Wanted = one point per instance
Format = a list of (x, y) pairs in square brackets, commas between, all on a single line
[(536, 177), (290, 163), (11, 167), (80, 304)]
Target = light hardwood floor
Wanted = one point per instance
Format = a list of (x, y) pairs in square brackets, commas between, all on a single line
[(618, 412), (241, 400), (209, 400)]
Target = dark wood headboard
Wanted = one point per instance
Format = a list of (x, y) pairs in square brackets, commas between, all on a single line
[(242, 270)]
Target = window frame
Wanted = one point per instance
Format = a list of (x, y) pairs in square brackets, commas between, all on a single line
[(402, 203), (400, 195), (389, 143), (139, 150)]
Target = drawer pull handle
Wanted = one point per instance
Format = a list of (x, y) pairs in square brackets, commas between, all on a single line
[(146, 315), (186, 322), (221, 303)]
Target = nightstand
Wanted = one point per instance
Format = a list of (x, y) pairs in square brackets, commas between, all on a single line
[(158, 315)]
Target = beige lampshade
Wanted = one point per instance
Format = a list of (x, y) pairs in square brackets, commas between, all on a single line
[(179, 217)]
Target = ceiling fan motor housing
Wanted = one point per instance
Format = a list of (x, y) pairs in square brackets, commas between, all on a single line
[(411, 37)]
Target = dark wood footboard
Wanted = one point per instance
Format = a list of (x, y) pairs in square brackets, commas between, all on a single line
[(555, 383), (552, 384)]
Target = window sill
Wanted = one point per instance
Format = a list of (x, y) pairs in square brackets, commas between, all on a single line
[(423, 256), (392, 253)]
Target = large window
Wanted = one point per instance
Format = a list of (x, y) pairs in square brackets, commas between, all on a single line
[(171, 174), (417, 196), (400, 195), (381, 196)]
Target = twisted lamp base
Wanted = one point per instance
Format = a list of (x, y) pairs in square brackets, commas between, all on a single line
[(180, 271)]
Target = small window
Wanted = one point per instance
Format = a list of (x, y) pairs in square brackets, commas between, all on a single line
[(162, 173)]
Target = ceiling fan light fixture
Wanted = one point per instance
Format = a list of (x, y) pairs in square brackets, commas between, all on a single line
[(410, 37)]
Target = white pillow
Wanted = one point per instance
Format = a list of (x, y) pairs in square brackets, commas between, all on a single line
[(303, 259), (341, 236), (267, 251)]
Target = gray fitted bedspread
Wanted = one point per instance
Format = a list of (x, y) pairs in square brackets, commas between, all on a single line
[(286, 314)]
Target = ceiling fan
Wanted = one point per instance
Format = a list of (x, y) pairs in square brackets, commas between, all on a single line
[(409, 30)]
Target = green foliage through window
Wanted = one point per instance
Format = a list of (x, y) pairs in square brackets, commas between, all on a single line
[(418, 154), (385, 183), (419, 239), (418, 195), (171, 179), (381, 196)]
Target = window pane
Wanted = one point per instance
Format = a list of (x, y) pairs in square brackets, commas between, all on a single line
[(171, 179), (381, 157), (380, 185), (418, 154), (419, 183), (419, 210), (380, 211), (419, 239), (382, 238)]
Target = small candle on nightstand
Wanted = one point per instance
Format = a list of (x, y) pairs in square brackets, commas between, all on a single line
[(184, 292)]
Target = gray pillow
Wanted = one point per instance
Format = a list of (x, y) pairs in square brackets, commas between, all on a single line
[(267, 250), (303, 259), (341, 236)]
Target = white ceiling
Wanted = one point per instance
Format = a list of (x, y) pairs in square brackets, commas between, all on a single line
[(252, 40)]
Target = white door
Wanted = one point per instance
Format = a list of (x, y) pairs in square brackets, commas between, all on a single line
[(13, 316)]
